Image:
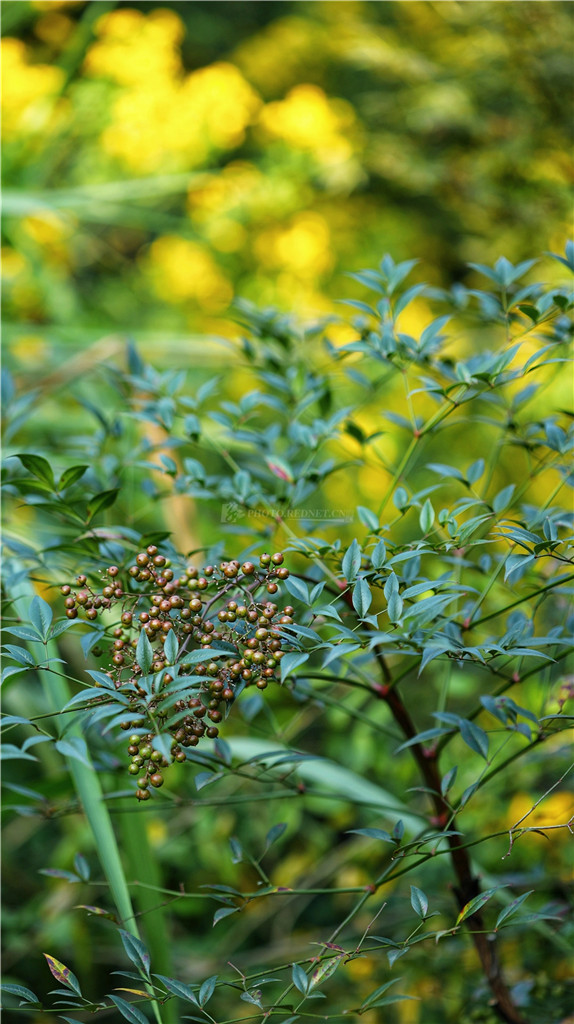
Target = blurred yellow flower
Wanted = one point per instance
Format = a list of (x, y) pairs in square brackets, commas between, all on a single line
[(135, 48), (47, 227), (180, 123), (13, 262), (29, 348), (556, 809), (163, 118), (27, 90), (308, 119), (302, 248), (182, 270)]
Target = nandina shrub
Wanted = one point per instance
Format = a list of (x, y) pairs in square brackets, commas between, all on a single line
[(365, 660)]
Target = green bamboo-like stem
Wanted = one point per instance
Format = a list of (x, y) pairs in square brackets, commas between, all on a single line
[(87, 785)]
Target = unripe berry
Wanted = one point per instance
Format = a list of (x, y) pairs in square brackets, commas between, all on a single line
[(156, 780), (277, 558)]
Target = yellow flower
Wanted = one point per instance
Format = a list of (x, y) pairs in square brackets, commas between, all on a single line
[(27, 90), (182, 270), (13, 263), (307, 119), (302, 248), (136, 49), (555, 809)]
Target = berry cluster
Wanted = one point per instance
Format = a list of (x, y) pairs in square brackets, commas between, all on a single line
[(217, 611)]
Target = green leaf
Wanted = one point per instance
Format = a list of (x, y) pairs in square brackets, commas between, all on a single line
[(378, 992), (38, 467), (419, 902), (198, 657), (503, 498), (362, 598), (129, 1012), (101, 501), (223, 912), (170, 647), (444, 470), (203, 779), (447, 780), (400, 498), (274, 834), (516, 566), (299, 979), (25, 633), (178, 988), (352, 561), (512, 908), (298, 589), (372, 833), (368, 518), (82, 867), (395, 607), (41, 616), (292, 661), (207, 989), (426, 518), (136, 951), (71, 476), (74, 747), (474, 737), (475, 471), (475, 904), (20, 990), (379, 555), (144, 653)]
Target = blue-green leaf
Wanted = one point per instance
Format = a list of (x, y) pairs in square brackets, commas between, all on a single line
[(368, 518), (362, 597), (419, 902), (352, 561), (474, 737), (170, 647), (128, 1011), (292, 661), (144, 653)]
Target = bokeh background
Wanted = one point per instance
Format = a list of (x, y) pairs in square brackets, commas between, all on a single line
[(162, 159)]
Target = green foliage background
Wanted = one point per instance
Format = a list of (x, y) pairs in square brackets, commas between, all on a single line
[(157, 165)]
